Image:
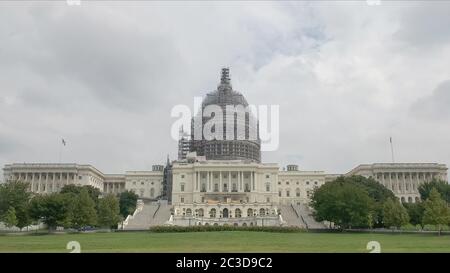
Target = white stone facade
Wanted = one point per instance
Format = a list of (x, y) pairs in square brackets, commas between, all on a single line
[(146, 184), (403, 179), (296, 187), (230, 192), (227, 184), (48, 178)]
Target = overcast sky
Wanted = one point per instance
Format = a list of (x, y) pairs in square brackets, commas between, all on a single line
[(105, 76)]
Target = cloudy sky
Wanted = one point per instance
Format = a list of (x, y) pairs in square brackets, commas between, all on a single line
[(105, 75)]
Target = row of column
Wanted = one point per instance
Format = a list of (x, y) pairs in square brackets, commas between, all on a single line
[(240, 183), (38, 184), (397, 184)]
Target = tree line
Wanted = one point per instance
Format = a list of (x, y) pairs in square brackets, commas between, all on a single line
[(73, 207), (359, 202)]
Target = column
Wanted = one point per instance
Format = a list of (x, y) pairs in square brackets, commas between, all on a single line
[(46, 182), (238, 182), (53, 183), (32, 182), (390, 182), (208, 180), (196, 181), (255, 179), (67, 178), (229, 180), (405, 182), (252, 178), (39, 185), (220, 182)]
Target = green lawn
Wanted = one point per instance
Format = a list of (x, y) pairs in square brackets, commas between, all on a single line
[(225, 241)]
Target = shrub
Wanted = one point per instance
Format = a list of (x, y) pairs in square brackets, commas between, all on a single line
[(162, 229), (429, 228), (409, 227)]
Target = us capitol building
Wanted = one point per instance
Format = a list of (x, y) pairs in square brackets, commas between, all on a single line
[(217, 182)]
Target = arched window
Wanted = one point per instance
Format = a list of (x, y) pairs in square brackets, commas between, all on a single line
[(152, 192), (237, 213), (297, 192), (188, 212), (262, 212), (225, 213), (249, 213), (200, 212), (403, 199), (212, 213), (410, 200)]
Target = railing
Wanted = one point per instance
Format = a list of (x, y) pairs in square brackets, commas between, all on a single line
[(139, 207), (156, 211), (296, 213)]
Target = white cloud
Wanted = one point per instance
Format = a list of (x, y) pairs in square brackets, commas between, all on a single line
[(106, 75)]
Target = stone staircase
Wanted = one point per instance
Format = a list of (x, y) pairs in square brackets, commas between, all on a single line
[(290, 216), (300, 216), (151, 214), (306, 214)]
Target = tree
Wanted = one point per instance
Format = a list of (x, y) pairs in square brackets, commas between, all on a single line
[(10, 218), (441, 186), (15, 194), (377, 192), (436, 211), (343, 203), (93, 193), (84, 212), (108, 211), (415, 212), (54, 209), (394, 214), (127, 203)]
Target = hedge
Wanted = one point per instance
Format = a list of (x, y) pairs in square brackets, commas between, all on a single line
[(162, 229)]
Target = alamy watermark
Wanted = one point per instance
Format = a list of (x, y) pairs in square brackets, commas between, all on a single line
[(229, 122)]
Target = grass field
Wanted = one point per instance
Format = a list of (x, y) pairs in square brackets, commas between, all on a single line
[(225, 241)]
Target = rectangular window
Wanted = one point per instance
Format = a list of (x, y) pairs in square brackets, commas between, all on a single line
[(182, 187), (287, 193), (182, 199)]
